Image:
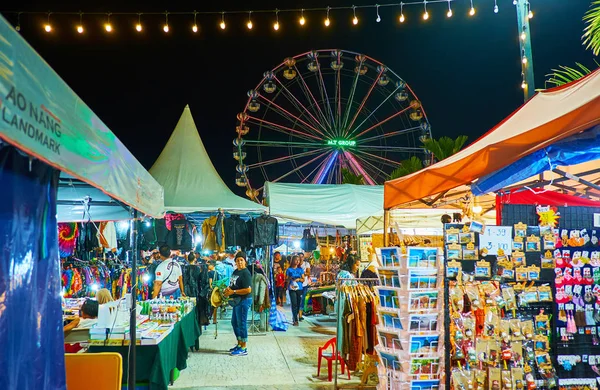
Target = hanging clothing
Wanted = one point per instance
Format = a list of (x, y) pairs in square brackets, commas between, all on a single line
[(208, 234), (259, 286), (236, 232), (161, 232), (191, 278), (180, 236), (266, 231), (107, 235), (87, 240), (67, 238), (169, 218), (148, 239), (220, 232)]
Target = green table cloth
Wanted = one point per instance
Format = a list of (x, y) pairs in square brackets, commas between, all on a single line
[(154, 363), (313, 292)]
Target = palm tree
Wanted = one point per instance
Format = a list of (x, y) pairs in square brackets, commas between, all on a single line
[(441, 149), (591, 38), (348, 177)]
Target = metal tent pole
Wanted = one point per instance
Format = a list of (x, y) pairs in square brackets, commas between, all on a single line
[(132, 314)]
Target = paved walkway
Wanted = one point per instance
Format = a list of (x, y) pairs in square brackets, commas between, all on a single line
[(276, 360)]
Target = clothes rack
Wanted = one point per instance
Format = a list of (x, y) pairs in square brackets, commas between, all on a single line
[(340, 282)]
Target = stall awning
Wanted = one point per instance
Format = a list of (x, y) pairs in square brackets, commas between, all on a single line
[(43, 117), (329, 204), (189, 178), (548, 117)]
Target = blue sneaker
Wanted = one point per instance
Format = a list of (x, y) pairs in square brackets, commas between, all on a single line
[(240, 352), (234, 348)]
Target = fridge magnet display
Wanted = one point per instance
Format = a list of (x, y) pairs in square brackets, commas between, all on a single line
[(452, 236), (423, 345), (422, 300), (518, 244), (466, 238), (518, 258), (389, 338), (548, 260), (422, 278), (425, 385), (454, 252), (533, 272), (388, 297), (504, 269), (549, 242), (521, 274), (453, 268), (545, 294), (390, 257), (545, 230), (423, 322), (422, 257), (390, 360), (483, 269), (477, 227), (389, 277), (470, 253), (389, 318), (532, 244), (424, 366), (520, 230)]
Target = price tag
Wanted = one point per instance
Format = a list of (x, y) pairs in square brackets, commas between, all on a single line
[(496, 237)]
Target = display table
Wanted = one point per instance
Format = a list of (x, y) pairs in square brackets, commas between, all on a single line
[(154, 363), (315, 292)]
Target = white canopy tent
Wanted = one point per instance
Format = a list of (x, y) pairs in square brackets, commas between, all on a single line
[(44, 118), (329, 204), (189, 178)]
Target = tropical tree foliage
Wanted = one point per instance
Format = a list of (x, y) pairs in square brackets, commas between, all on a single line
[(591, 40), (348, 177), (441, 149)]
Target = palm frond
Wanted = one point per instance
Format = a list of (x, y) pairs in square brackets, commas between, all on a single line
[(348, 177), (591, 33), (566, 74), (445, 146), (407, 167)]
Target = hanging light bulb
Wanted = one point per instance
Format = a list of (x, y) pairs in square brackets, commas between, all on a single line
[(249, 24), (138, 26), (355, 19), (80, 25), (449, 13), (530, 14), (472, 10), (496, 9), (425, 14), (276, 24), (378, 17), (523, 35), (302, 21), (107, 25), (523, 84), (514, 2), (524, 60), (402, 18), (18, 26), (166, 26), (195, 26), (48, 26), (327, 21), (222, 24)]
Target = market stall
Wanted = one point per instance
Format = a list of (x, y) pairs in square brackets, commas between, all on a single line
[(46, 129)]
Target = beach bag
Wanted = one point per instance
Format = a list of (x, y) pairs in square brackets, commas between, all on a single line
[(308, 242)]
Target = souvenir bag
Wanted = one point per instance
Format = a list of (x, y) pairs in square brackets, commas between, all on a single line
[(309, 241)]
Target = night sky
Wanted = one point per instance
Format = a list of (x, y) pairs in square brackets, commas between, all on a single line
[(465, 70)]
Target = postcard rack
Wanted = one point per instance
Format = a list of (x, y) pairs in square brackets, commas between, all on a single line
[(410, 329)]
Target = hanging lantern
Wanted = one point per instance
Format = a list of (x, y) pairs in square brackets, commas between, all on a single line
[(242, 130), (269, 87), (253, 106)]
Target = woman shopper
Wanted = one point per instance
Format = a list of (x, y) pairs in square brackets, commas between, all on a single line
[(295, 277), (239, 293)]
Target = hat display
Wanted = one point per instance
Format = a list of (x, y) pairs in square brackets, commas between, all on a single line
[(216, 299)]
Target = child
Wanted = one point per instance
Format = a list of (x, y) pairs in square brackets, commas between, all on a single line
[(280, 286)]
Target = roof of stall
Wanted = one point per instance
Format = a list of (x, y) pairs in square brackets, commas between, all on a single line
[(547, 118), (189, 178), (44, 118)]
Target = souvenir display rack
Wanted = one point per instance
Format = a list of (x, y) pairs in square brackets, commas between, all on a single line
[(411, 306), (501, 306)]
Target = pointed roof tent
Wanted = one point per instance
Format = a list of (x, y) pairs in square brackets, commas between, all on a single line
[(189, 178)]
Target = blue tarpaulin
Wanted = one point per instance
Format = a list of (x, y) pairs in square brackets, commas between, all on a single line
[(577, 149)]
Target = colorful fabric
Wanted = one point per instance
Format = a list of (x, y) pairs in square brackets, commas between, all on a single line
[(67, 238)]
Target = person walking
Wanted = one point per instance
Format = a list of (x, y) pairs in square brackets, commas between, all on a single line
[(295, 278), (169, 277), (239, 293), (280, 286)]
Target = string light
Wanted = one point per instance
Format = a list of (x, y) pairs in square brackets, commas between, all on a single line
[(302, 21), (18, 26), (249, 24), (222, 24), (276, 25), (472, 10), (355, 19), (138, 26), (377, 10), (523, 82), (496, 6), (524, 60), (107, 25), (425, 14), (327, 21), (402, 18), (48, 26), (449, 13), (195, 26), (80, 25), (523, 34), (166, 26)]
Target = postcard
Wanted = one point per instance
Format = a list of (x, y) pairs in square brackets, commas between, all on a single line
[(388, 297), (425, 385), (390, 360), (422, 300), (422, 257), (423, 322), (422, 278), (390, 257), (389, 318), (424, 344), (389, 277), (389, 338), (424, 366)]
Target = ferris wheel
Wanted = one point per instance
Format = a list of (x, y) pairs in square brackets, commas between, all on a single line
[(324, 111)]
